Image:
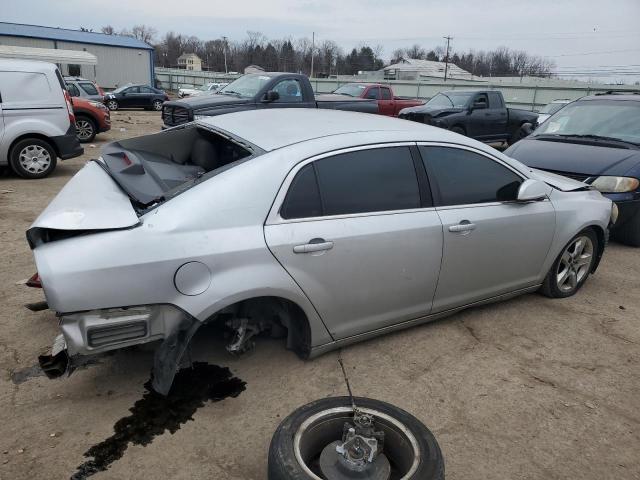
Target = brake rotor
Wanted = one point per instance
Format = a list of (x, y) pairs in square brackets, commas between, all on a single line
[(334, 466)]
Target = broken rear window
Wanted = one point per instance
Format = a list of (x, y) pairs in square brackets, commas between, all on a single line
[(154, 168)]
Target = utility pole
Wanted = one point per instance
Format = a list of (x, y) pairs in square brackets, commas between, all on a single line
[(313, 47), (448, 38), (224, 52)]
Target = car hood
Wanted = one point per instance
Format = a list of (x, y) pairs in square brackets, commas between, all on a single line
[(574, 157), (433, 112), (91, 200), (200, 102)]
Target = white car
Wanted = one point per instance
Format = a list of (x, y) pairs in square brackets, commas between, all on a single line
[(211, 87), (37, 122)]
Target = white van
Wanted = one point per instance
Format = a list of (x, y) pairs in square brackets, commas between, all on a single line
[(37, 124)]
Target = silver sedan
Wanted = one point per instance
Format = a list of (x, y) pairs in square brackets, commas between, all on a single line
[(323, 227)]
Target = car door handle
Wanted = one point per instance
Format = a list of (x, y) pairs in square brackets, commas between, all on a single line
[(314, 245), (464, 226)]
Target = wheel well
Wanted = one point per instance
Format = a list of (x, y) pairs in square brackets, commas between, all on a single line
[(602, 237), (39, 136), (272, 314), (87, 116), (458, 126)]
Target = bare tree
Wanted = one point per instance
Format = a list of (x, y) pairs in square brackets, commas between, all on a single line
[(141, 32), (108, 29)]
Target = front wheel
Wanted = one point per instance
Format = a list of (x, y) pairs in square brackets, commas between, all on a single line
[(304, 444), (572, 267), (157, 105), (459, 130), (112, 105), (85, 129)]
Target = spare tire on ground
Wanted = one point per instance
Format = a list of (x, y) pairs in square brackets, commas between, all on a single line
[(314, 430)]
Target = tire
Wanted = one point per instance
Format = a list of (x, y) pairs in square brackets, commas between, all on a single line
[(521, 132), (157, 105), (284, 465), (629, 233), (459, 130), (112, 105), (556, 285), (32, 158), (85, 128)]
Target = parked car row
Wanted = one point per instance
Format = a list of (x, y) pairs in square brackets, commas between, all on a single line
[(191, 91)]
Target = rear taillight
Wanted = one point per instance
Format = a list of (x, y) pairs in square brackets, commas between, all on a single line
[(34, 281), (72, 117)]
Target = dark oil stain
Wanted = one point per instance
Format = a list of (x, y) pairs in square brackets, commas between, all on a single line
[(154, 414)]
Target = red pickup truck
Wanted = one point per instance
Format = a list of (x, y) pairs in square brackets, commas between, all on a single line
[(388, 104)]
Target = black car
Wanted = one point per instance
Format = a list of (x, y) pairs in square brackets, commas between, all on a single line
[(135, 96), (595, 140)]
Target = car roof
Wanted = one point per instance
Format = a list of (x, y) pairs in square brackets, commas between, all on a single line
[(271, 129), (614, 96), (27, 65)]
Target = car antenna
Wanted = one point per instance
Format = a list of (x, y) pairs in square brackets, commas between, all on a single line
[(356, 411)]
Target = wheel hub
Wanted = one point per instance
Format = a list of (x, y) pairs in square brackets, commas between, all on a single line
[(359, 455)]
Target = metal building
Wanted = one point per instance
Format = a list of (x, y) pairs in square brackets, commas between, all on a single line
[(120, 59)]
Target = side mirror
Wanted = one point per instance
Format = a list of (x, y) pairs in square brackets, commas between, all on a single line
[(533, 190), (270, 96)]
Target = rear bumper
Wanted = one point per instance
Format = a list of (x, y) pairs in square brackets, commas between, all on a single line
[(67, 145)]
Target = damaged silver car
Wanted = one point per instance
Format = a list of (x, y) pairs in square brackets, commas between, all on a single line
[(326, 227)]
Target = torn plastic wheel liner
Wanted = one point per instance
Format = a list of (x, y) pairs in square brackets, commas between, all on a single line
[(328, 440)]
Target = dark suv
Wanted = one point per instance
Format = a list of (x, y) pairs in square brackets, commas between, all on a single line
[(596, 140), (136, 96)]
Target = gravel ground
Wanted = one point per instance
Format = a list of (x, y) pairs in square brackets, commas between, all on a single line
[(531, 388)]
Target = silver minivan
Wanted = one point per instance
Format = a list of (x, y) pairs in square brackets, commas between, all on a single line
[(37, 124)]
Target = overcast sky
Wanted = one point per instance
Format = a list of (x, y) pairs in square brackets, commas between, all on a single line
[(579, 35)]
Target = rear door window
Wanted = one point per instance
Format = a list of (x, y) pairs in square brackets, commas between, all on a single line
[(89, 88), (465, 177), (303, 197), (375, 180), (379, 179), (386, 93), (73, 90)]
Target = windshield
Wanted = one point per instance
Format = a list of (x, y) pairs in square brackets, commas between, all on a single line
[(448, 100), (605, 118), (246, 86), (551, 108), (351, 89)]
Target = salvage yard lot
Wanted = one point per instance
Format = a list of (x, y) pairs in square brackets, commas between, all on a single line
[(531, 388)]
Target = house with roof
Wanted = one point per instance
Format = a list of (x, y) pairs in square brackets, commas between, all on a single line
[(416, 69), (109, 60), (190, 61)]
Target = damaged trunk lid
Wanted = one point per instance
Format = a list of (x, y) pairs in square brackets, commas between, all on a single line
[(91, 201)]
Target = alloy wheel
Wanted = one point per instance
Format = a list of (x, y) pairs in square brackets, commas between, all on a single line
[(84, 129), (157, 105), (574, 264), (112, 105), (34, 159)]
